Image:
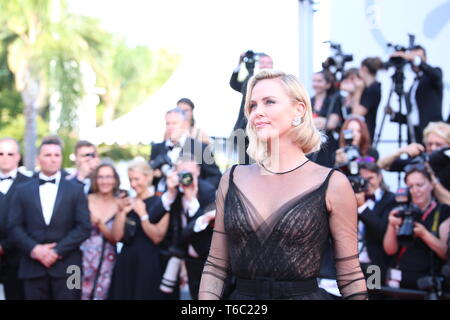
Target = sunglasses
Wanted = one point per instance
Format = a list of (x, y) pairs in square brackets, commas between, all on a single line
[(416, 166), (366, 159), (91, 155)]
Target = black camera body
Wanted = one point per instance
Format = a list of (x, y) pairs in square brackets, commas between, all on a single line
[(163, 163), (336, 63), (351, 167), (410, 214), (250, 59)]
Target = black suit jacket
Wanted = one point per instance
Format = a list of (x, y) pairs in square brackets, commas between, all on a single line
[(11, 257), (209, 171), (182, 237), (5, 206), (69, 226), (241, 87), (375, 223), (429, 98)]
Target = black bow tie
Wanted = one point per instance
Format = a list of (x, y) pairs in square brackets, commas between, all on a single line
[(371, 197), (42, 181), (175, 145), (6, 178)]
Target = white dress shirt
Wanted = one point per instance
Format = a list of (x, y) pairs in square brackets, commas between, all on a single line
[(414, 115), (47, 194), (363, 254), (6, 184), (174, 154)]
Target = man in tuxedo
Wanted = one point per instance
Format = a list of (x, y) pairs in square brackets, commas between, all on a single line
[(10, 179), (374, 206), (176, 145), (264, 62), (424, 99), (48, 221), (190, 201), (86, 160)]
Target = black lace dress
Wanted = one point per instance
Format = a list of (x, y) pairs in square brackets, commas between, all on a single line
[(275, 227)]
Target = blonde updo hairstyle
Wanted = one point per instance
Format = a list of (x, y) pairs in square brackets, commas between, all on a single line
[(141, 166), (306, 135)]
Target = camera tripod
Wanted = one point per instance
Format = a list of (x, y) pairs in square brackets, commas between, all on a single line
[(397, 86)]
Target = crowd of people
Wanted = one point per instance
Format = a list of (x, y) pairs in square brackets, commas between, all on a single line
[(295, 213)]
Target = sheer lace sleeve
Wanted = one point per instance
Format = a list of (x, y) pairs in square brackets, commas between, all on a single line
[(217, 264), (341, 203)]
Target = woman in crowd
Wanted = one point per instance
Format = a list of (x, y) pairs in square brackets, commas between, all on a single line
[(188, 106), (137, 274), (99, 251), (360, 138), (364, 91), (274, 244), (326, 105), (425, 252)]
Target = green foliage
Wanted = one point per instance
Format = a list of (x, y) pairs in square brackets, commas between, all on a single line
[(16, 128), (131, 74), (117, 152)]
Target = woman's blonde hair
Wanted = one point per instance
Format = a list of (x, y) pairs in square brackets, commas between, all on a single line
[(306, 134), (439, 128), (140, 165)]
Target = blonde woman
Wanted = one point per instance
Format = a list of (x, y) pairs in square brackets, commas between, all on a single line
[(274, 217), (137, 272)]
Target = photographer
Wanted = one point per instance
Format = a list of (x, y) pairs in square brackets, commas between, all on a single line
[(86, 160), (165, 154), (417, 233), (359, 137), (326, 104), (364, 91), (424, 100), (374, 205), (249, 58), (437, 141), (189, 235)]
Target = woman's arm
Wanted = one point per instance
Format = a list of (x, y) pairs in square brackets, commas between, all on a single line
[(390, 243), (438, 245), (156, 232), (216, 267), (119, 221), (341, 203)]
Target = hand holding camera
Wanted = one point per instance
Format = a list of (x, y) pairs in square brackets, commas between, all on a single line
[(413, 149), (394, 220), (125, 205)]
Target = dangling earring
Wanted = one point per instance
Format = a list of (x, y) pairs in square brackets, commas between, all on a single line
[(296, 122)]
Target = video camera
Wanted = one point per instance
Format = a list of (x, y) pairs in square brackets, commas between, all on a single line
[(351, 167), (410, 213), (399, 62), (165, 165), (336, 63)]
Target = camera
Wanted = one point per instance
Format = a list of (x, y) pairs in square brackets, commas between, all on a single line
[(186, 178), (410, 214), (335, 64), (163, 163), (122, 193), (351, 167), (249, 59), (399, 62)]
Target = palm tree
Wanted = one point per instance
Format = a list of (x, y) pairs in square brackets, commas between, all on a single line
[(46, 45)]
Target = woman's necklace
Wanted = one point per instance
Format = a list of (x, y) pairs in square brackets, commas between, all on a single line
[(301, 165)]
